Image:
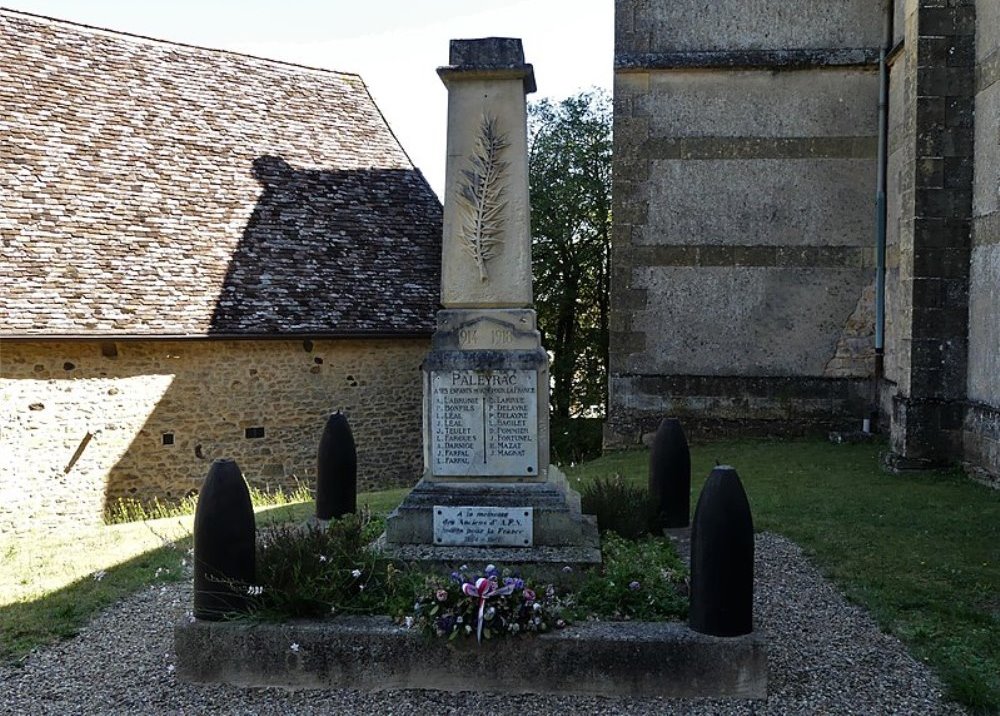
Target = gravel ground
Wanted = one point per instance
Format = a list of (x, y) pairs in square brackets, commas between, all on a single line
[(825, 656)]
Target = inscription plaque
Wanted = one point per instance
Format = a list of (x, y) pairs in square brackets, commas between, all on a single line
[(506, 526), (484, 422)]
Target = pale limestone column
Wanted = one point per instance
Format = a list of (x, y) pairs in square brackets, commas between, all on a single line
[(486, 251)]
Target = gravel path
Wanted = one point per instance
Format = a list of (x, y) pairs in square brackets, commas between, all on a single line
[(826, 657)]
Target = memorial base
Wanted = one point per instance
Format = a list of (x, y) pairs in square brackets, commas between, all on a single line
[(555, 508)]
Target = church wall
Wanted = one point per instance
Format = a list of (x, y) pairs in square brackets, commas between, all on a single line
[(743, 246), (981, 435)]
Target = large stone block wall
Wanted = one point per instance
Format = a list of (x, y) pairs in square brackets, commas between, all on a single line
[(982, 420), (204, 395), (929, 224), (743, 245)]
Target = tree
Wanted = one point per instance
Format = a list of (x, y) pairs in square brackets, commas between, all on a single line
[(569, 165)]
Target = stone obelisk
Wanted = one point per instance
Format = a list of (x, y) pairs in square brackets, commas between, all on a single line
[(487, 480)]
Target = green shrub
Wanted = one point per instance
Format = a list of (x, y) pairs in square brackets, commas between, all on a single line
[(312, 571), (620, 507), (639, 579)]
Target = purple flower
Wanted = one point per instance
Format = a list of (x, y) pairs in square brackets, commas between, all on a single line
[(441, 595), (529, 595), (634, 586), (491, 571), (456, 577)]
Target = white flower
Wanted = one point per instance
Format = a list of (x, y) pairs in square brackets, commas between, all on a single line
[(408, 622), (255, 591), (99, 575), (171, 668), (355, 573), (294, 647), (322, 558)]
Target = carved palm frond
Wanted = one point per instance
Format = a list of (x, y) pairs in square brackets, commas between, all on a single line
[(481, 196)]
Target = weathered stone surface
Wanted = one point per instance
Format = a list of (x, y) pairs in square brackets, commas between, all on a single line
[(149, 390), (699, 104), (224, 543), (743, 320), (792, 202), (486, 329), (645, 26), (373, 654), (984, 326), (336, 470), (722, 549), (557, 519), (486, 252), (986, 195)]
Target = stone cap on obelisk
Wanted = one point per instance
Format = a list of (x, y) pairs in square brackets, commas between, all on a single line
[(486, 247)]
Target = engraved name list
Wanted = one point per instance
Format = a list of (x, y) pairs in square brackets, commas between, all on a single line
[(484, 422)]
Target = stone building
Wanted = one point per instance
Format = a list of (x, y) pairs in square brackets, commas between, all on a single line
[(202, 254), (748, 152)]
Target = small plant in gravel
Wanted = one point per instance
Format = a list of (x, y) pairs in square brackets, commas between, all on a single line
[(620, 507), (639, 579), (495, 603)]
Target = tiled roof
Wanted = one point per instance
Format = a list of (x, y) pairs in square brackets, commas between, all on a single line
[(156, 189)]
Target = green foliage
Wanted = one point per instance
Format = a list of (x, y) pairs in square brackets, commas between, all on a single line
[(639, 579), (918, 550), (569, 169), (574, 440), (620, 507), (312, 571)]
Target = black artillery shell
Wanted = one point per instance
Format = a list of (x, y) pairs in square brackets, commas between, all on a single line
[(224, 543), (670, 474), (337, 470), (722, 557)]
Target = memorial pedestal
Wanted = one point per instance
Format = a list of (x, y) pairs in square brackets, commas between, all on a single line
[(488, 491), (487, 481)]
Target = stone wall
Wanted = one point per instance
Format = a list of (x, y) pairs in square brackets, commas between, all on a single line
[(743, 245), (84, 423), (982, 420), (930, 204)]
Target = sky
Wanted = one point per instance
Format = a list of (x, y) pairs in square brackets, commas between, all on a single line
[(395, 45)]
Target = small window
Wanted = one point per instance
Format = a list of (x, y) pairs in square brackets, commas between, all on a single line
[(168, 438), (254, 433)]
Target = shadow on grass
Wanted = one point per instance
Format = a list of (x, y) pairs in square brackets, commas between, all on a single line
[(61, 613)]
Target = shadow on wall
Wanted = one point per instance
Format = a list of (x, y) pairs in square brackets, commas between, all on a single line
[(352, 253), (325, 301)]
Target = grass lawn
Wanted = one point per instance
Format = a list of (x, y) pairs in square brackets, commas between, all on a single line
[(921, 552)]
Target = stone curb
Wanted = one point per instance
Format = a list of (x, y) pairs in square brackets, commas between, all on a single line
[(664, 659)]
